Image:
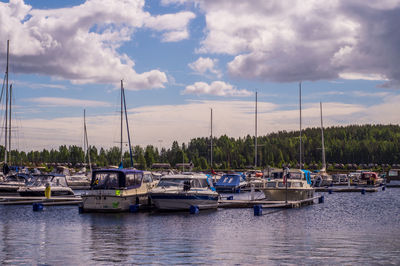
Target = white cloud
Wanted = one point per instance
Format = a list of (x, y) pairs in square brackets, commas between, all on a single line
[(66, 102), (175, 25), (286, 41), (205, 65), (81, 43), (218, 88)]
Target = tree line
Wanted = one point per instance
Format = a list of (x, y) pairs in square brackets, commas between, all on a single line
[(354, 144)]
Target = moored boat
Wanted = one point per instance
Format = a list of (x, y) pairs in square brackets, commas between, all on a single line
[(231, 182), (37, 186), (294, 186), (180, 192), (115, 190), (12, 183)]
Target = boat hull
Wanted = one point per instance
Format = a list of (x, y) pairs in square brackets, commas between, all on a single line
[(112, 203), (41, 192), (183, 201), (278, 194)]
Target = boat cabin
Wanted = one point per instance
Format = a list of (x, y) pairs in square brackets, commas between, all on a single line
[(186, 182), (119, 179)]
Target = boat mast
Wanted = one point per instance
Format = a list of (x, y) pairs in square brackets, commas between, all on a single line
[(6, 113), (211, 138), (9, 127), (300, 161), (127, 125), (122, 118), (323, 142), (86, 141), (255, 144)]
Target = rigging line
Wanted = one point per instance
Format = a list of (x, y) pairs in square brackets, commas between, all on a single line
[(2, 88)]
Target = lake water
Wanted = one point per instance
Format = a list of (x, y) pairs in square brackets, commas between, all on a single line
[(349, 228)]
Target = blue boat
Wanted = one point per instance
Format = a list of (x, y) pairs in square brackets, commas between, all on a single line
[(231, 182)]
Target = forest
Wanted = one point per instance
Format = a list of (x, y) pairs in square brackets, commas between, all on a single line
[(353, 144)]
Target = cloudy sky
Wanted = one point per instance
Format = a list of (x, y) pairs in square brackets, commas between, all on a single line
[(180, 58)]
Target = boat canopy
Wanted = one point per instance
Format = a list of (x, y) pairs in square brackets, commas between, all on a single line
[(230, 180), (117, 178)]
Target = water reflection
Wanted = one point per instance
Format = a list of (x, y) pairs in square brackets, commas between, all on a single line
[(346, 229)]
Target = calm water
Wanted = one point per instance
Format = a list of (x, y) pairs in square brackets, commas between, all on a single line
[(349, 228)]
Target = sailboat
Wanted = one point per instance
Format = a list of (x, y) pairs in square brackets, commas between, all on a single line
[(322, 178), (118, 190), (292, 184), (81, 180), (10, 180)]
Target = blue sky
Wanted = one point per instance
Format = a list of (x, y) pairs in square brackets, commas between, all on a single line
[(180, 58)]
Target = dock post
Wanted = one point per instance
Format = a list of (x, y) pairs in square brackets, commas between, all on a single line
[(363, 191)]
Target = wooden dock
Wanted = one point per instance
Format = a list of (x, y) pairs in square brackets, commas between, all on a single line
[(17, 200), (223, 203), (347, 189)]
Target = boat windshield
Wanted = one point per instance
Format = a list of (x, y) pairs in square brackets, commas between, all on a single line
[(105, 180), (179, 182)]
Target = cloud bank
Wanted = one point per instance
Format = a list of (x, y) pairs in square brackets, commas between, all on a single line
[(81, 43), (287, 41)]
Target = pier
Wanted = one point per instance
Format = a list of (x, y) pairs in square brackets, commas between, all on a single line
[(224, 203), (17, 200)]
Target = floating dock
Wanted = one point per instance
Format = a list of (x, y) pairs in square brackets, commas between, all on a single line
[(347, 189), (17, 200), (224, 203)]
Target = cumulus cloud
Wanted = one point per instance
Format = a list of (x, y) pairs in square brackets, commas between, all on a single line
[(205, 65), (66, 102), (81, 43), (217, 88), (286, 41)]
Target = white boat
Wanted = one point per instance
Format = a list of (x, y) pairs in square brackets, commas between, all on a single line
[(180, 192), (294, 186), (38, 183), (115, 190), (12, 183)]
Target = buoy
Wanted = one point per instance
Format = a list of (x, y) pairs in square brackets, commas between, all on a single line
[(229, 198), (134, 208), (383, 188), (363, 191), (37, 207), (321, 199), (257, 210), (330, 191), (194, 209)]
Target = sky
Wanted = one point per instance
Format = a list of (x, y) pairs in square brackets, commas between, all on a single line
[(179, 59)]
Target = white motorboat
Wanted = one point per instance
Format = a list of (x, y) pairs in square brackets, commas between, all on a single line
[(180, 192), (13, 182), (294, 186), (37, 186), (115, 190)]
